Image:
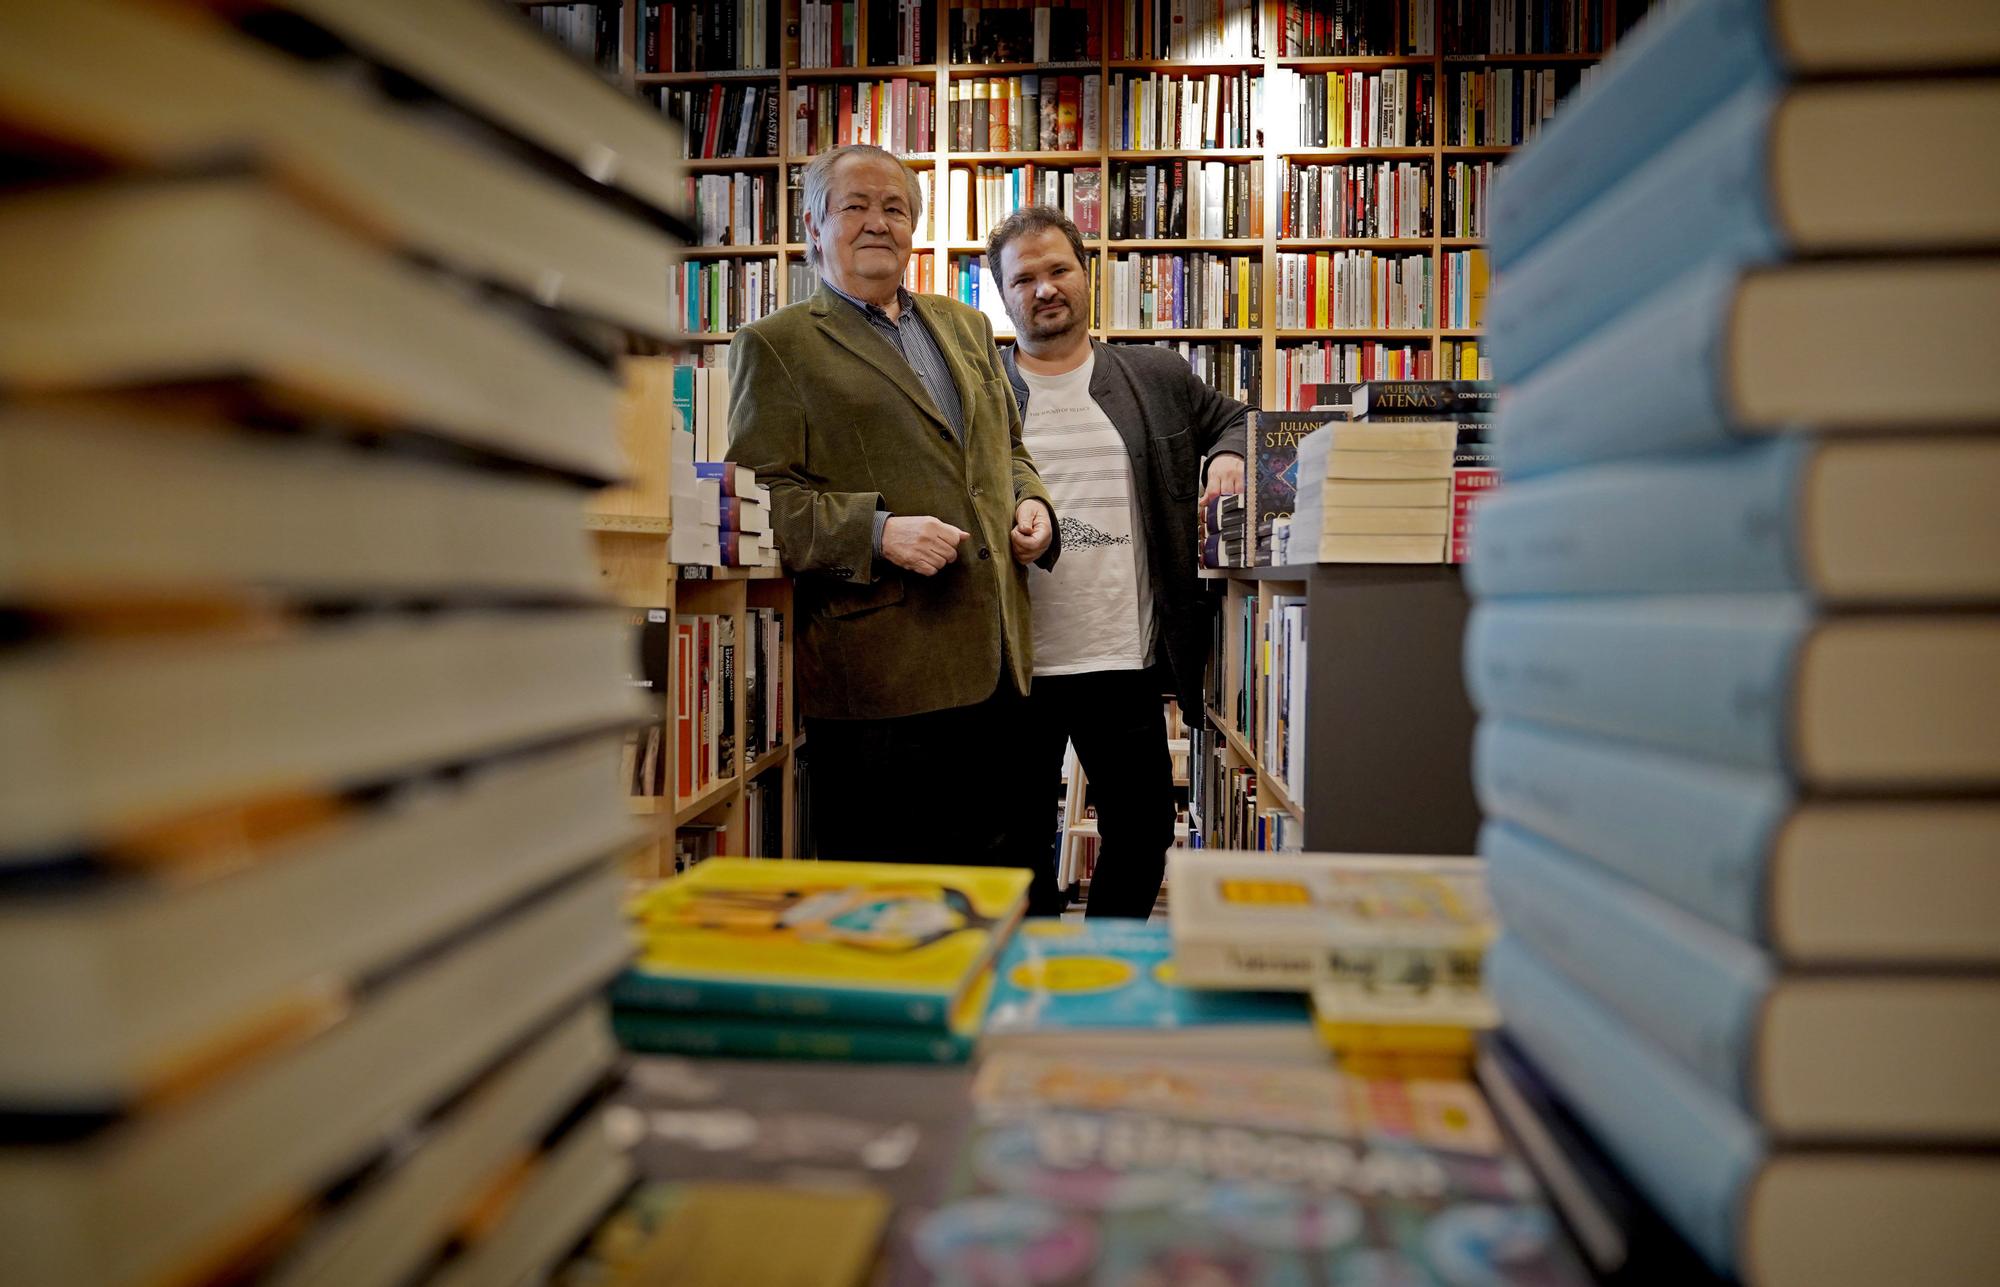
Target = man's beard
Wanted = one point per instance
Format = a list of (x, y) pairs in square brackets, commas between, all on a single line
[(1052, 326)]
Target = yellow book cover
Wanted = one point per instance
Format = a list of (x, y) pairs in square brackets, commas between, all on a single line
[(845, 942), (1475, 294)]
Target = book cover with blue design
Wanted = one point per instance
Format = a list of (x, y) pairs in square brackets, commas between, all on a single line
[(1113, 981)]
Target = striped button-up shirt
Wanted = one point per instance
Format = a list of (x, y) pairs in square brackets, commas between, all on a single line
[(910, 336)]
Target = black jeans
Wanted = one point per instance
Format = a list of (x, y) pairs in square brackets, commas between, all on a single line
[(939, 787), (1117, 718)]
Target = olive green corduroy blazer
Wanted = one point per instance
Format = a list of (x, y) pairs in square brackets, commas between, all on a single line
[(837, 425)]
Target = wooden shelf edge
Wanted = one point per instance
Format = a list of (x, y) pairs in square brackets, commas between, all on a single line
[(1265, 778), (768, 761), (686, 811)]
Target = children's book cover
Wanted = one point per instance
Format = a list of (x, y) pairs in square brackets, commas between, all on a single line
[(1101, 975), (843, 942), (1157, 1171)]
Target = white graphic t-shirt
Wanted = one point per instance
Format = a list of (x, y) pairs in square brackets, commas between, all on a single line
[(1092, 612)]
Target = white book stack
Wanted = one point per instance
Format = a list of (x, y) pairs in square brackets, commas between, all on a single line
[(310, 811), (1372, 494)]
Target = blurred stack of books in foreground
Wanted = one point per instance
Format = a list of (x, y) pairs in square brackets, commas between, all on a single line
[(1736, 637), (1149, 1100), (309, 808)]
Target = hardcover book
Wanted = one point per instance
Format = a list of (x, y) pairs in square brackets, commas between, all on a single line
[(1389, 922), (1153, 1171), (1108, 985), (868, 943), (1274, 465)]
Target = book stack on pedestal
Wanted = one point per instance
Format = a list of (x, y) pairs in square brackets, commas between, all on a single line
[(1738, 623), (309, 800)]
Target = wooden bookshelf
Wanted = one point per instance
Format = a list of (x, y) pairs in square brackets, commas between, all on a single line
[(1388, 734), (1266, 245)]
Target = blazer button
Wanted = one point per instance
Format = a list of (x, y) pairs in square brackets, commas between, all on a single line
[(945, 434), (985, 553)]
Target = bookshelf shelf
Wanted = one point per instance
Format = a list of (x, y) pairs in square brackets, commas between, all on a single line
[(1515, 60), (1354, 243), (732, 75), (1026, 158), (1201, 153), (976, 71), (1171, 333), (1183, 64), (1364, 333), (633, 524), (687, 809), (1354, 62), (1478, 150), (699, 164), (730, 252), (1172, 243), (886, 72), (1265, 781), (765, 763), (1356, 153), (722, 337)]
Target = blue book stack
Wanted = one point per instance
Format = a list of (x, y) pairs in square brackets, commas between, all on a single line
[(1737, 631)]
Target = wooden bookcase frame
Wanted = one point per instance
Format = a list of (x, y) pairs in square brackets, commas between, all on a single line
[(1266, 246)]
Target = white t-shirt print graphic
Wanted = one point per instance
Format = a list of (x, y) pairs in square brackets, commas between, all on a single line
[(1092, 612)]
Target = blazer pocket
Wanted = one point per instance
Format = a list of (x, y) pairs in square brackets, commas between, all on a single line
[(844, 604), (1174, 464)]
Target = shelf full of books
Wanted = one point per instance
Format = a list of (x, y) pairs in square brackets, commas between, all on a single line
[(1349, 145), (686, 546)]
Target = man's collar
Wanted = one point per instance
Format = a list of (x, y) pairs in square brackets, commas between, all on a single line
[(905, 302)]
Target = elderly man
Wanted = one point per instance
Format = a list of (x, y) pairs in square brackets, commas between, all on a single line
[(1124, 435), (907, 510)]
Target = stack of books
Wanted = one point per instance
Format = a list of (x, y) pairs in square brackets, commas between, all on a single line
[(1390, 947), (742, 515), (309, 798), (1738, 629), (817, 960), (1351, 493), (1222, 531), (1467, 405)]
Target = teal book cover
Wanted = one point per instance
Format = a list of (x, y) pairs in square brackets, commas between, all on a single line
[(1090, 976)]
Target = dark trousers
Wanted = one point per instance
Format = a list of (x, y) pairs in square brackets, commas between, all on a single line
[(941, 787), (1118, 721)]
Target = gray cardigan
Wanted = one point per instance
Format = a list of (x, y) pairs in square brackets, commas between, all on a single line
[(1173, 425)]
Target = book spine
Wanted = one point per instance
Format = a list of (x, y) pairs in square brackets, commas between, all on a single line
[(1709, 677), (1692, 990), (1650, 383), (1692, 1153), (1697, 835), (1700, 524), (1705, 198), (709, 997), (750, 1039), (1690, 56), (1276, 966)]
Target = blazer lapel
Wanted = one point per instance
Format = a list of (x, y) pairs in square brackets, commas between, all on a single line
[(932, 310), (845, 325), (1111, 387)]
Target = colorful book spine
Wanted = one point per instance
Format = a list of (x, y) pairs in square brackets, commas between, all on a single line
[(767, 1039), (1697, 834), (1691, 989), (639, 990), (1687, 1148), (1711, 677), (1707, 523)]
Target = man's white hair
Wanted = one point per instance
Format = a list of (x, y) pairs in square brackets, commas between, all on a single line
[(819, 186)]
